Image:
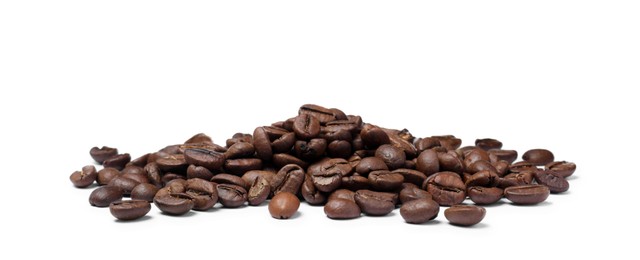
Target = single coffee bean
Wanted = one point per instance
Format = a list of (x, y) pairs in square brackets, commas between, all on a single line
[(427, 143), (141, 178), (231, 196), (369, 164), (167, 177), (282, 159), (446, 188), (464, 215), (117, 161), (481, 165), (240, 166), (413, 193), (173, 163), (474, 155), (327, 175), (354, 183), (385, 180), (419, 211), (310, 193), (450, 161), (102, 154), (488, 144), (209, 159), (239, 138), (103, 196), (283, 205), (144, 191), (251, 176), (522, 167), (240, 150), (343, 194), (538, 156), (339, 208), (171, 149), (140, 161), (324, 115), (484, 195), (339, 149), (262, 144), (129, 209), (204, 193), (106, 175), (428, 162), (392, 156), (483, 178), (199, 138), (223, 178), (259, 191), (85, 177), (205, 146), (306, 127), (284, 143), (375, 203), (132, 169), (412, 176), (502, 167), (288, 179), (507, 155), (562, 168), (174, 204), (199, 172), (527, 194), (402, 140), (516, 179), (125, 183), (311, 150), (373, 136), (555, 182)]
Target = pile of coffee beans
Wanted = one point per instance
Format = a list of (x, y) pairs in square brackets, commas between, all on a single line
[(325, 157)]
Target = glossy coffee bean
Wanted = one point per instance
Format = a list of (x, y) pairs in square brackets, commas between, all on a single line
[(85, 177), (283, 205), (204, 193), (527, 194), (375, 203), (144, 191), (450, 161), (369, 164), (102, 154), (484, 195), (465, 215), (555, 182), (103, 196), (223, 178), (522, 167), (327, 175), (209, 159), (306, 127), (117, 161), (288, 179), (174, 204), (561, 168), (198, 172), (446, 188), (310, 193), (507, 155), (313, 149), (339, 208), (392, 156), (199, 138), (240, 150), (259, 191), (126, 184), (385, 180), (173, 163), (106, 175), (373, 136), (342, 194), (282, 159), (251, 176), (428, 162), (323, 114), (412, 176), (413, 193), (488, 144), (483, 178), (538, 156), (231, 196), (419, 210), (262, 144), (129, 209), (240, 166)]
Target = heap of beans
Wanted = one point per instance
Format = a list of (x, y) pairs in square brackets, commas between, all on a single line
[(325, 157)]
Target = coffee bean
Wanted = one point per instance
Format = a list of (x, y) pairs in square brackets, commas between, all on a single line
[(85, 177), (117, 161), (507, 155), (259, 191), (339, 149), (262, 144), (484, 195), (450, 161), (446, 188), (342, 194), (167, 177), (205, 146), (483, 178), (419, 210), (282, 159), (313, 149), (250, 176), (412, 176), (129, 209), (527, 194), (402, 140), (427, 143), (372, 136), (464, 215), (103, 196), (481, 165), (288, 179), (428, 162), (231, 196), (375, 203), (124, 183), (449, 142), (175, 204), (139, 177), (240, 150), (283, 205), (310, 193), (522, 167), (327, 175), (209, 159), (173, 163), (339, 208), (538, 156), (223, 178), (199, 172), (555, 182), (474, 155), (516, 179), (204, 193), (488, 144), (199, 138), (106, 175), (144, 191), (413, 193), (392, 156), (239, 138), (501, 167), (385, 180), (322, 114), (102, 154), (562, 168), (370, 164), (306, 126)]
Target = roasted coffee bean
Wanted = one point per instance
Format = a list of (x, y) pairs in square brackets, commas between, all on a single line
[(522, 167), (284, 143), (327, 175), (124, 183), (343, 194), (288, 179), (488, 144), (283, 205), (427, 143), (412, 176), (428, 162), (507, 155), (240, 150), (103, 196), (240, 166), (85, 177), (223, 178), (562, 168), (538, 157), (106, 175), (385, 180), (555, 182), (141, 178), (310, 193), (199, 138), (449, 142), (483, 178), (171, 149), (481, 165), (250, 176), (259, 191), (339, 149), (484, 195), (282, 159), (419, 211), (373, 136), (204, 193), (354, 183), (474, 155), (306, 126), (239, 138), (450, 161), (375, 203), (313, 149), (198, 172), (397, 139), (167, 177), (413, 193), (464, 215), (144, 191), (206, 146), (370, 164), (174, 204), (209, 159), (446, 188), (516, 179), (262, 144), (324, 115), (140, 161), (339, 208), (231, 196), (527, 194), (502, 167), (129, 209), (132, 169), (392, 156), (102, 154), (173, 163), (117, 161)]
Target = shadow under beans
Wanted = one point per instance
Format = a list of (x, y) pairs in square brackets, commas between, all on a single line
[(186, 215), (476, 226), (432, 222), (383, 216), (561, 194), (296, 215), (133, 221), (541, 204)]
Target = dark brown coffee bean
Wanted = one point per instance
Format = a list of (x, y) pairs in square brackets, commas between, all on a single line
[(283, 205), (343, 194), (324, 115), (412, 176), (484, 195), (413, 193), (474, 155), (464, 215), (198, 172), (339, 208), (251, 176), (206, 146), (562, 168), (140, 161), (173, 163), (259, 191), (481, 165), (392, 156), (124, 183), (85, 177), (311, 150), (209, 159), (502, 167), (306, 127), (262, 144), (171, 149), (516, 179), (538, 156), (373, 136), (117, 161), (167, 177), (419, 211), (231, 196), (446, 188), (402, 140), (507, 155), (288, 179), (488, 144), (339, 149), (223, 178), (354, 183), (129, 209), (204, 193), (199, 138), (427, 143), (102, 154), (239, 138), (450, 161), (375, 203), (385, 180), (327, 175), (370, 164), (103, 196), (282, 159), (240, 150), (240, 166), (555, 182), (174, 204), (522, 167), (139, 177), (527, 194), (428, 162), (144, 191), (284, 143), (106, 175), (449, 142), (310, 193), (483, 178)]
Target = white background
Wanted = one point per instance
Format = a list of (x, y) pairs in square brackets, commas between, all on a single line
[(139, 75)]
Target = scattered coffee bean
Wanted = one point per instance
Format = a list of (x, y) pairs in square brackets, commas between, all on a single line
[(419, 210), (117, 161), (283, 205), (527, 194), (338, 208), (174, 204), (555, 182), (538, 156), (144, 191), (375, 203), (103, 196), (85, 177), (464, 215), (562, 168), (129, 209), (102, 154)]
